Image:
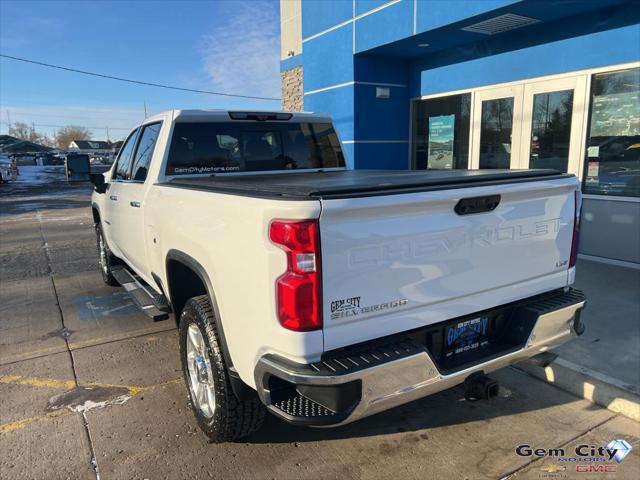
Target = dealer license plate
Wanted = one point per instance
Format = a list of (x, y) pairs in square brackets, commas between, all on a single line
[(466, 336)]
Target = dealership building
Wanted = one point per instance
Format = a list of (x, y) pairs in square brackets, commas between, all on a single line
[(467, 84)]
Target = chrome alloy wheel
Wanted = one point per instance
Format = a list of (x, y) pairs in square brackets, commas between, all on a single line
[(201, 381), (103, 254)]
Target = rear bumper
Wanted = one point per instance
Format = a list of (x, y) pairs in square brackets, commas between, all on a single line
[(363, 380)]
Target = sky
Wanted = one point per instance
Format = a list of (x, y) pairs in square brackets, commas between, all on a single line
[(230, 46)]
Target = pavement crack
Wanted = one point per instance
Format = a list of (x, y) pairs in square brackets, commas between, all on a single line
[(85, 422)]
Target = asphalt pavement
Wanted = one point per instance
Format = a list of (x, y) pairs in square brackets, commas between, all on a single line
[(91, 388)]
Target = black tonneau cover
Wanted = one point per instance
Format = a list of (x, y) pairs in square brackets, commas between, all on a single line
[(354, 183)]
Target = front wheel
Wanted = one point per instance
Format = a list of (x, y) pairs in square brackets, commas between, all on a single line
[(220, 414)]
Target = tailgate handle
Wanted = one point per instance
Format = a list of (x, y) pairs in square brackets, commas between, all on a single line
[(467, 206)]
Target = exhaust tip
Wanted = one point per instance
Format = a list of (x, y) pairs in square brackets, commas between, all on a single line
[(480, 387)]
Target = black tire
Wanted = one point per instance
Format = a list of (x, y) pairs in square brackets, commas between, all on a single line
[(231, 418), (107, 259)]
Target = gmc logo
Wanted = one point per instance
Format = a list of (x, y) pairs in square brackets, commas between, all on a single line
[(595, 468)]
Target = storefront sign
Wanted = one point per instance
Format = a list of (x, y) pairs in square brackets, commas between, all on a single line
[(440, 150), (615, 115)]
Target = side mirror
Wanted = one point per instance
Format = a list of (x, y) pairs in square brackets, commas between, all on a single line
[(99, 185)]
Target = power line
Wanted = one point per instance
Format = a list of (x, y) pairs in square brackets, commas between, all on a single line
[(62, 126), (139, 82), (24, 113)]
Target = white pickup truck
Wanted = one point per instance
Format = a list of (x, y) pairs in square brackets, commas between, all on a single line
[(323, 294)]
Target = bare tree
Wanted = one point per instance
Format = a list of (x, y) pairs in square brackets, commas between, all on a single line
[(68, 134), (24, 131)]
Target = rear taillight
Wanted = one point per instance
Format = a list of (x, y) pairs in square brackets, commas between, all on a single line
[(299, 289), (576, 228)]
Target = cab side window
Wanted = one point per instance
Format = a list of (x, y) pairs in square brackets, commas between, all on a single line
[(144, 152), (124, 158)]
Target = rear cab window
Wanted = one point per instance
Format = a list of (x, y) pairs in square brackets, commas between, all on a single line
[(200, 147)]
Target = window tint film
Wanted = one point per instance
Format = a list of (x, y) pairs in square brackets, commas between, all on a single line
[(144, 152), (124, 158), (223, 147), (613, 148)]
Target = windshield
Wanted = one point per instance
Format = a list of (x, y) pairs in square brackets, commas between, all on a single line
[(225, 147)]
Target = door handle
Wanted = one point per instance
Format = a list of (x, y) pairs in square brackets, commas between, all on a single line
[(113, 197), (135, 204)]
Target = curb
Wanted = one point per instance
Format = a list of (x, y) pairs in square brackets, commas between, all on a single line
[(608, 392)]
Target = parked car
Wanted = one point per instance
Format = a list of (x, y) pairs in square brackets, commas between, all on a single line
[(8, 169), (322, 294)]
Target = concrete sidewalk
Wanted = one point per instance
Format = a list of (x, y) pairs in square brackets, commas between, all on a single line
[(603, 365)]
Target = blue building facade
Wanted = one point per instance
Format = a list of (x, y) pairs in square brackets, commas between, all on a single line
[(415, 84)]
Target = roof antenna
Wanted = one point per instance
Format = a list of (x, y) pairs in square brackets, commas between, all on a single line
[(145, 109)]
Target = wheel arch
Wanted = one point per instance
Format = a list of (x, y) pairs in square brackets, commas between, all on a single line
[(181, 272), (95, 211), (186, 278)]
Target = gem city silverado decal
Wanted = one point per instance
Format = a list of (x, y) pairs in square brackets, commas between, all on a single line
[(350, 307)]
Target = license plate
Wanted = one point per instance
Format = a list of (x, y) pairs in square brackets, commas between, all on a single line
[(466, 336)]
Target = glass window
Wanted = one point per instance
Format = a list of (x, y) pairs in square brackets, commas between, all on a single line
[(613, 148), (144, 152), (551, 130), (219, 147), (124, 157), (441, 132), (495, 133), (263, 151), (323, 145)]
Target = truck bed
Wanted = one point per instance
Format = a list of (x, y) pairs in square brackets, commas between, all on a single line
[(355, 183)]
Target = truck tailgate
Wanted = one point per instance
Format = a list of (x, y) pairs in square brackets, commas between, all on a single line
[(391, 263)]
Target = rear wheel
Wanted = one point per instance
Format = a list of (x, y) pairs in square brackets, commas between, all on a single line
[(220, 414), (107, 259)]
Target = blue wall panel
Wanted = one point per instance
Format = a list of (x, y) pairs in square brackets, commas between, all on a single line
[(381, 69), (337, 102), (363, 6), (578, 53), (328, 59), (381, 155), (437, 13), (381, 119), (347, 149), (318, 15), (291, 62), (387, 25)]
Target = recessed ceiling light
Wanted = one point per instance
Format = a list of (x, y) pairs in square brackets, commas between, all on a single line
[(423, 45)]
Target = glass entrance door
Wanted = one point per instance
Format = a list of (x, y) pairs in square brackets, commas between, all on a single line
[(496, 128), (551, 126)]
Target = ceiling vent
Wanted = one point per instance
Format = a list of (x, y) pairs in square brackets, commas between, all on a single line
[(502, 23)]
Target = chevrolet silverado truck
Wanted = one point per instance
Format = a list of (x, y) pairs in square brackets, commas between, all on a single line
[(324, 294)]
